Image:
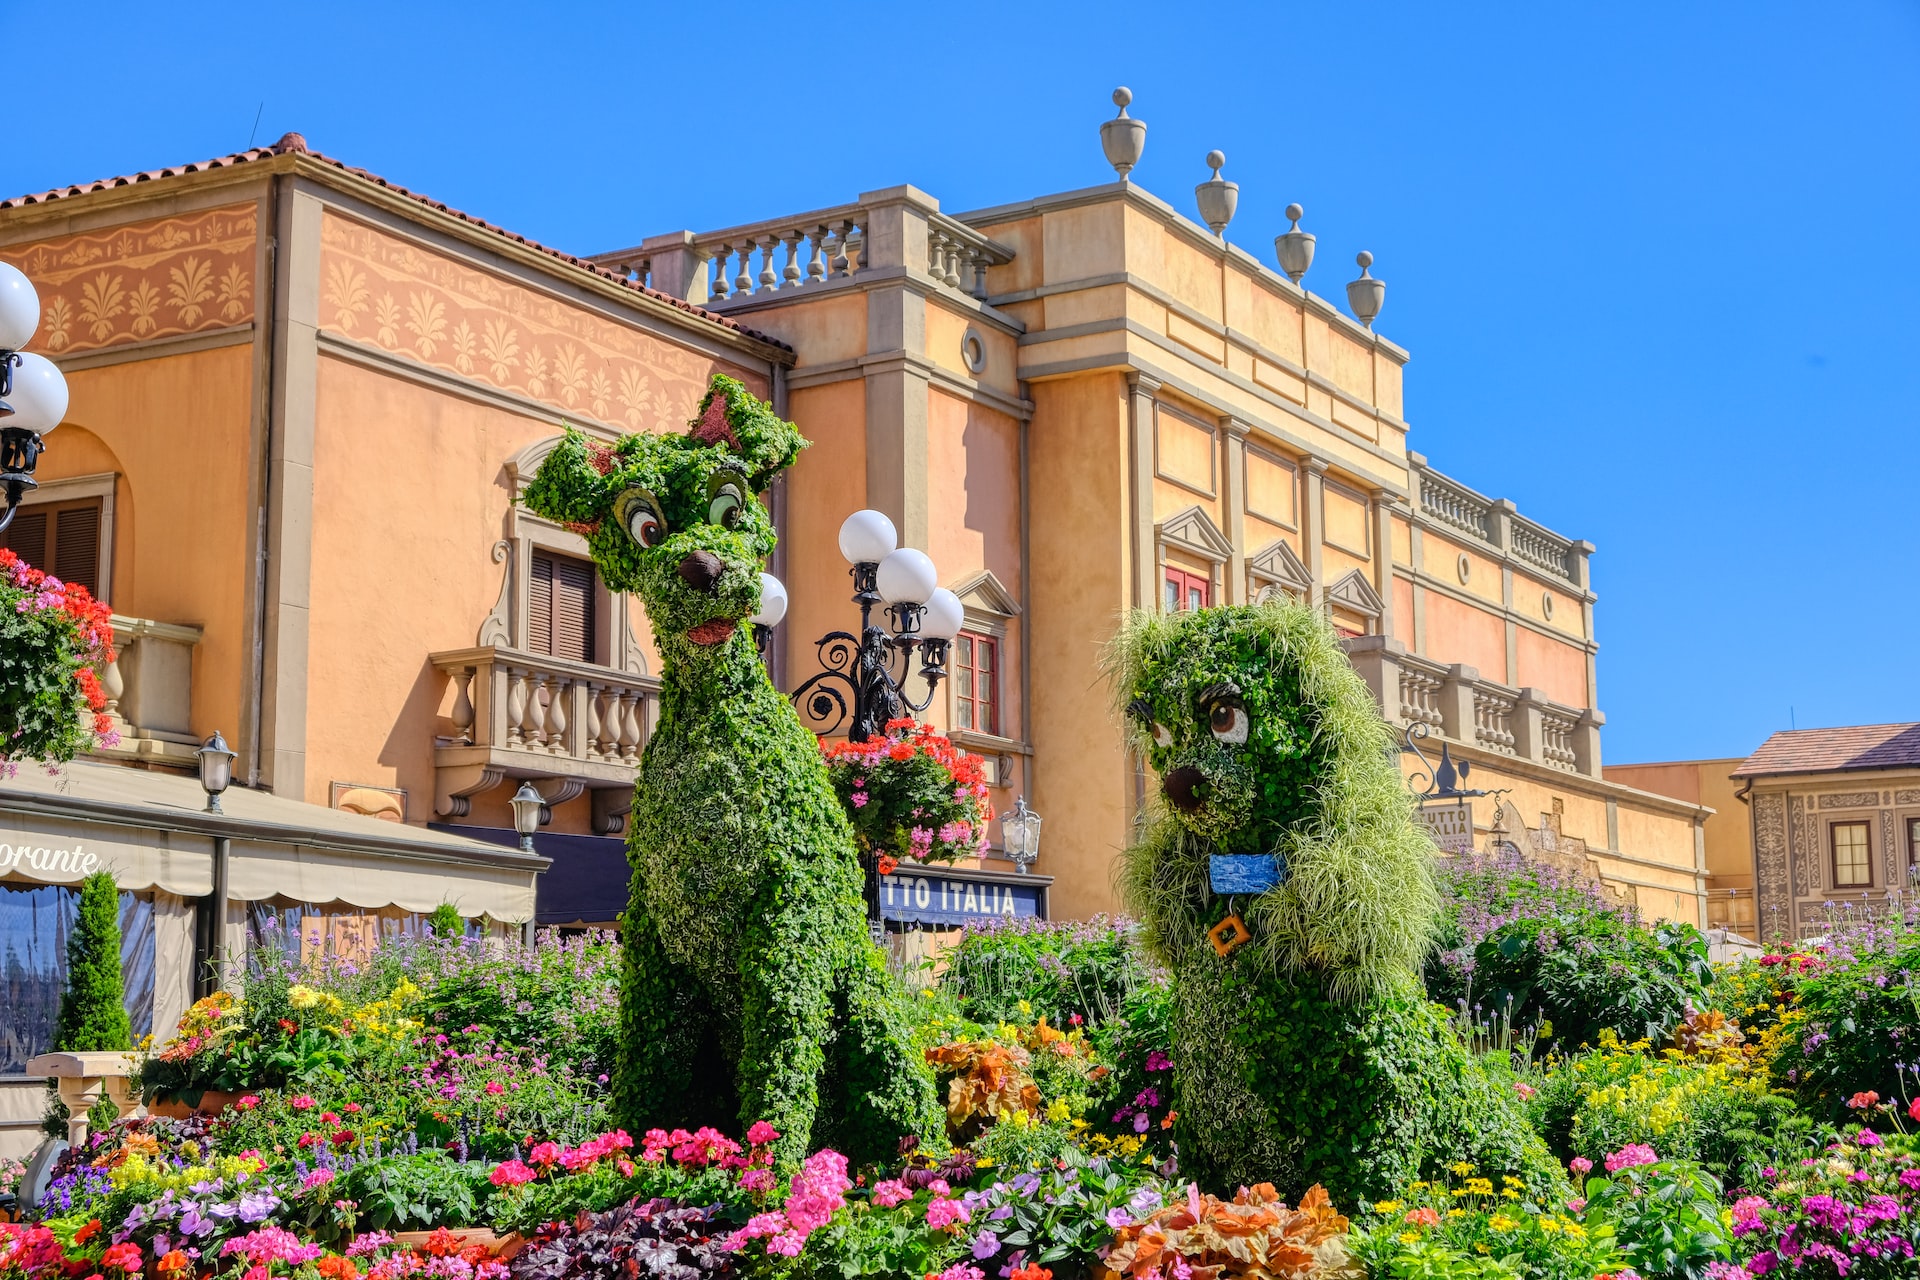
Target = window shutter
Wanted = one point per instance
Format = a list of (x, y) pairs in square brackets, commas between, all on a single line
[(573, 610), (76, 547), (560, 605), (27, 538), (540, 605)]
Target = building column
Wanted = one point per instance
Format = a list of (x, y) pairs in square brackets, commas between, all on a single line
[(1315, 470), (1141, 388), (1233, 433), (897, 479), (1385, 502)]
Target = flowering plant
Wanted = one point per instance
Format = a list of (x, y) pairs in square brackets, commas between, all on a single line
[(1462, 1226), (1666, 1214), (1852, 1211), (54, 633), (911, 794), (1255, 1235)]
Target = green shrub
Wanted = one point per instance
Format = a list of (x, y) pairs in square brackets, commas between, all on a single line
[(1058, 970), (1860, 1018), (1575, 974), (445, 921), (93, 1010), (1666, 1217)]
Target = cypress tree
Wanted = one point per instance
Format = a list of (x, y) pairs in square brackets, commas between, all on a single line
[(445, 921), (93, 1009)]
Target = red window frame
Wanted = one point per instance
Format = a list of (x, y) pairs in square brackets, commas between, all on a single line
[(1183, 590), (976, 682)]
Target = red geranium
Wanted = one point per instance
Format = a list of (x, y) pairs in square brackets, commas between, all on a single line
[(911, 794), (56, 633)]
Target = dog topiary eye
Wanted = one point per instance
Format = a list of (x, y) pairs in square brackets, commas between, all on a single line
[(1162, 736), (1228, 721), (725, 506), (638, 512)]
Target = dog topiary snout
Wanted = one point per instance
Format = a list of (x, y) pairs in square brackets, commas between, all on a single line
[(701, 570), (1185, 788)]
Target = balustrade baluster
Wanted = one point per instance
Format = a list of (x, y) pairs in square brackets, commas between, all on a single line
[(630, 731), (841, 262), (557, 716), (538, 697), (952, 276), (769, 279), (791, 276), (718, 287), (977, 274), (463, 705), (816, 250), (856, 248), (112, 683), (743, 283), (590, 746), (518, 696)]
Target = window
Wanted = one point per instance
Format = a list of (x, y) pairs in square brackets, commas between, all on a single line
[(1185, 590), (1852, 867), (60, 538), (560, 601), (976, 683), (35, 923)]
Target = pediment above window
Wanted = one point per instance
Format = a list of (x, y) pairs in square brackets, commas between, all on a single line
[(1356, 595), (1193, 531), (1279, 565), (982, 592)]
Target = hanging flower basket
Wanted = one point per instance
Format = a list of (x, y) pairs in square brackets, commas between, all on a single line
[(52, 636), (912, 795)]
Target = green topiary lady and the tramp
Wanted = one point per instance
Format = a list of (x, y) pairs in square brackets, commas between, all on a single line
[(751, 990)]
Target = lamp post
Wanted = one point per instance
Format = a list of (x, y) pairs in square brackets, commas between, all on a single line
[(1020, 833), (862, 680), (216, 769), (33, 393), (527, 804)]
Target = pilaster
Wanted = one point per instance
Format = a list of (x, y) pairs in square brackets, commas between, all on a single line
[(1586, 742), (1315, 471), (1456, 702), (677, 267), (289, 533), (1233, 434), (1529, 739), (1377, 659), (1140, 427), (897, 479), (1385, 501)]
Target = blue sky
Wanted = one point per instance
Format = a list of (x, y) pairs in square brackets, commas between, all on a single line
[(1656, 264)]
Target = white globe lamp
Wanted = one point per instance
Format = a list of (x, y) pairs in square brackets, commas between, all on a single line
[(19, 308), (39, 395), (773, 602), (907, 577), (867, 537), (943, 617)]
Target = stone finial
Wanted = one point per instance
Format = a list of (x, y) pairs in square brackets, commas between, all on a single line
[(1366, 294), (1294, 247), (290, 144), (1123, 138), (1217, 197)]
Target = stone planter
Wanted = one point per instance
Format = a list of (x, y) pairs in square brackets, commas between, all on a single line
[(212, 1103)]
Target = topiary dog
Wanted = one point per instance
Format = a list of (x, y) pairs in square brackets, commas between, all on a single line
[(751, 988), (1285, 886)]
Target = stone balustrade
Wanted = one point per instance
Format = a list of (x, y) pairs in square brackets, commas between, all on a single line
[(885, 231), (568, 726), (1494, 521), (149, 688), (84, 1078), (1457, 704)]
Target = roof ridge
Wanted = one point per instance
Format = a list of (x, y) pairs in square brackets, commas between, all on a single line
[(296, 144)]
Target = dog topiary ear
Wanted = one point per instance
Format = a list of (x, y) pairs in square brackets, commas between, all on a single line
[(572, 485), (732, 416)]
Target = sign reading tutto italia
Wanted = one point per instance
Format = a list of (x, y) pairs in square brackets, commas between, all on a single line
[(1450, 825), (948, 899)]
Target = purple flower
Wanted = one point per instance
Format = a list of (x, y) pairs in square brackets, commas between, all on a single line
[(1119, 1218), (985, 1245), (1140, 1122)]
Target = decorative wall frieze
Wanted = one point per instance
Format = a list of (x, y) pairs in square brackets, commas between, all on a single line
[(1770, 862), (144, 280), (1850, 800)]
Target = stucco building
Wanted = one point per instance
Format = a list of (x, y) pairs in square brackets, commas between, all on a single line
[(305, 398)]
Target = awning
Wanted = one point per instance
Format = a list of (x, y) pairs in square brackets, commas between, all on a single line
[(587, 883), (151, 830)]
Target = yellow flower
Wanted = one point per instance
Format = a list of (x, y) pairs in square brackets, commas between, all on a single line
[(303, 997), (1456, 1213), (1510, 1180), (1501, 1222), (1387, 1206), (1480, 1186), (1461, 1168), (1577, 1231), (1419, 1186), (1058, 1111), (1550, 1225), (1025, 1007), (1511, 1194), (1409, 1237)]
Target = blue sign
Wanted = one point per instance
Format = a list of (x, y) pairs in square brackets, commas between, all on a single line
[(1245, 872), (950, 898)]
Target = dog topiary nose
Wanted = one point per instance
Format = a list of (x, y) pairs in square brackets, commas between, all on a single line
[(1183, 788), (701, 570)]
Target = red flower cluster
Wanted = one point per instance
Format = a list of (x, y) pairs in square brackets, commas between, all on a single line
[(911, 794), (88, 625)]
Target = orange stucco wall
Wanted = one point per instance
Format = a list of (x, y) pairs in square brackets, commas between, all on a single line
[(183, 526), (973, 461), (1079, 593), (1461, 633), (1557, 670)]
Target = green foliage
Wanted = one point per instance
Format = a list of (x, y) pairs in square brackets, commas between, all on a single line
[(1527, 945), (1314, 781), (445, 921), (1719, 1112), (1666, 1217), (1057, 969), (93, 1011), (418, 1192), (749, 983), (1861, 1014), (1466, 1227), (1306, 1055)]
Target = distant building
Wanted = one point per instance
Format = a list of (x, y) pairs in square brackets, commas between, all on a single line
[(1830, 826)]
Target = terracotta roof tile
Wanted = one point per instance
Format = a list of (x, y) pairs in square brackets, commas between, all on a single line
[(1858, 746), (296, 144)]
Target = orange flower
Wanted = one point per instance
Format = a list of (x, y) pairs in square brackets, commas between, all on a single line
[(1032, 1271), (888, 864), (1423, 1217), (177, 1260), (87, 1232)]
